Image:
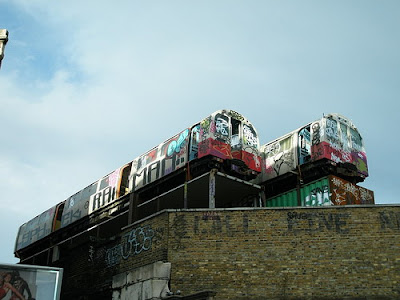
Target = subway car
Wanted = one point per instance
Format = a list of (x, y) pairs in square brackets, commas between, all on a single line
[(224, 140), (331, 145)]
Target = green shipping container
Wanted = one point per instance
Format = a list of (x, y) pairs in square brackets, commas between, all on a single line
[(330, 190)]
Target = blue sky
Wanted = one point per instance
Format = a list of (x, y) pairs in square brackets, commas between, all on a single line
[(87, 86)]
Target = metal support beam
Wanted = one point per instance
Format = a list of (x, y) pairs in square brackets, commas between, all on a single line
[(211, 189)]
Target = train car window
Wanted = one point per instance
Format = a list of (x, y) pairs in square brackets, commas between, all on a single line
[(250, 136), (57, 219), (194, 142), (344, 138), (104, 182), (286, 144), (222, 127), (331, 130), (305, 145), (124, 187), (75, 198), (89, 191), (356, 140), (235, 132)]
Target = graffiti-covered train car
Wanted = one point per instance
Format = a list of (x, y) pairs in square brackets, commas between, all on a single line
[(332, 143), (225, 140)]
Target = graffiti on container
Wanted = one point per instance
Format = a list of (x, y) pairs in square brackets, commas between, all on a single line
[(390, 220), (318, 197), (132, 243), (344, 192), (316, 222), (367, 196)]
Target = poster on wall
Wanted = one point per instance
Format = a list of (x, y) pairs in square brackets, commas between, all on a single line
[(26, 282)]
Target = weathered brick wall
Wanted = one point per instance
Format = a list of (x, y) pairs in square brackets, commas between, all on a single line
[(264, 253), (334, 253), (89, 266)]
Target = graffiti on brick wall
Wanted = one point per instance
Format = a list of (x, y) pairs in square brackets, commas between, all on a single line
[(316, 222), (212, 223), (390, 220), (132, 243)]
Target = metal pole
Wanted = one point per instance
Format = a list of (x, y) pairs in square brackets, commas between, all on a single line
[(211, 189), (3, 42)]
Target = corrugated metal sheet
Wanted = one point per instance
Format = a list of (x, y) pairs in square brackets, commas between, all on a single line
[(286, 199)]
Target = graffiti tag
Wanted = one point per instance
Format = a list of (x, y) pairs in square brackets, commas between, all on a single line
[(316, 222), (133, 243)]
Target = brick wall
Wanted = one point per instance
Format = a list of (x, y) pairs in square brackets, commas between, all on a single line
[(343, 252), (293, 253)]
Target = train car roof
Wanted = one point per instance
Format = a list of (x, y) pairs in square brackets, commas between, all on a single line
[(336, 116)]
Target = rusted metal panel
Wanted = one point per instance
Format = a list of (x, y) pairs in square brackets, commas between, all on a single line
[(344, 192)]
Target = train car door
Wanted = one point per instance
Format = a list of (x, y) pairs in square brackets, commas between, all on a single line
[(194, 142), (304, 145), (236, 138), (123, 183)]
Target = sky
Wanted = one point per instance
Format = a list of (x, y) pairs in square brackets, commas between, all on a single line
[(87, 86)]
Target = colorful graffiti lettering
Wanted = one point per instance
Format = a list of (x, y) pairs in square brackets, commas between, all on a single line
[(176, 146)]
